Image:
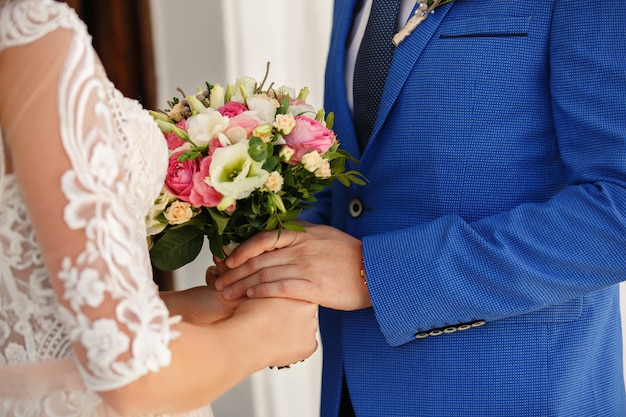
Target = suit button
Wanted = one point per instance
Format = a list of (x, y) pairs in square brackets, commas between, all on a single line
[(355, 207)]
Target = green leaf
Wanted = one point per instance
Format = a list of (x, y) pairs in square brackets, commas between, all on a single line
[(221, 220), (330, 120), (257, 149), (177, 247), (294, 226), (271, 163), (216, 244), (277, 201), (284, 105)]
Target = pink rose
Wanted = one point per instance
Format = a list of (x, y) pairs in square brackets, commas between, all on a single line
[(173, 141), (232, 108), (179, 177), (308, 135), (213, 145), (241, 126), (202, 194)]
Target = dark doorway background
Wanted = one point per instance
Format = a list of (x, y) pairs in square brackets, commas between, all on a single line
[(122, 36)]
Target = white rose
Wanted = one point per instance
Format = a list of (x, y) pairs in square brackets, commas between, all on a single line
[(274, 182), (205, 126), (286, 153), (323, 171), (312, 161), (178, 212), (285, 123), (234, 174)]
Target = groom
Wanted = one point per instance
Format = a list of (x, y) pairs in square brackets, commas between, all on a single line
[(490, 239)]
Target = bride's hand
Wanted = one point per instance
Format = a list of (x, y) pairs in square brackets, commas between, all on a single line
[(285, 330), (201, 306)]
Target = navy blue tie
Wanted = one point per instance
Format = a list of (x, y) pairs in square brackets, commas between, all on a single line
[(372, 64)]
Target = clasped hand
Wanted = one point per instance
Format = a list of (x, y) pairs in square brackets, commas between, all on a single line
[(322, 265)]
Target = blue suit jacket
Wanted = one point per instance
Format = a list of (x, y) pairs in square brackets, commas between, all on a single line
[(497, 193)]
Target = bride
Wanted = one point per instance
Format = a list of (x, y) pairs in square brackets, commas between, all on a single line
[(83, 329)]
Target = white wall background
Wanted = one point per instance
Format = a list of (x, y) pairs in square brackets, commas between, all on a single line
[(218, 41)]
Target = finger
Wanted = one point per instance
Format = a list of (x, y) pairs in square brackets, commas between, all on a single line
[(252, 266), (296, 289), (211, 275), (258, 244), (273, 273)]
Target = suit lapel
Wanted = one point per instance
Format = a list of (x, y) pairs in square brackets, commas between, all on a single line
[(404, 59)]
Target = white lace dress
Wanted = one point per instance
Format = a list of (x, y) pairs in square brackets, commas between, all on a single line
[(78, 284)]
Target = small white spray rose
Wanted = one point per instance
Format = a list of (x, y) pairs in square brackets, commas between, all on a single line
[(274, 182), (178, 212)]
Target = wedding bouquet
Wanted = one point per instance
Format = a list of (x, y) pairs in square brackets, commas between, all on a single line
[(242, 159)]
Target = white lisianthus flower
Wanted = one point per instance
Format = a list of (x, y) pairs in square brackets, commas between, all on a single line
[(274, 182), (286, 153), (285, 90), (323, 171), (216, 96), (285, 123), (244, 87), (153, 226), (302, 109), (264, 106), (234, 174), (205, 126), (312, 161), (178, 212)]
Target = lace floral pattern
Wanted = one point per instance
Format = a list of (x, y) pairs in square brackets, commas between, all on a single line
[(118, 161)]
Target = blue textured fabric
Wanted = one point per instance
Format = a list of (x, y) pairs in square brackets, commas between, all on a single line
[(372, 64), (497, 191)]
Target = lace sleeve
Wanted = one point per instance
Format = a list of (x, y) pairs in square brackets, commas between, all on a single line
[(88, 173)]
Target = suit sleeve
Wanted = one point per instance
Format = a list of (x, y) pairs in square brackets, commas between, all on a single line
[(536, 254)]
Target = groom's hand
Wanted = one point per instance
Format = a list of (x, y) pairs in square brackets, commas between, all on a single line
[(322, 265)]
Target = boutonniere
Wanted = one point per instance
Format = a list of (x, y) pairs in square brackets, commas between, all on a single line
[(424, 8)]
